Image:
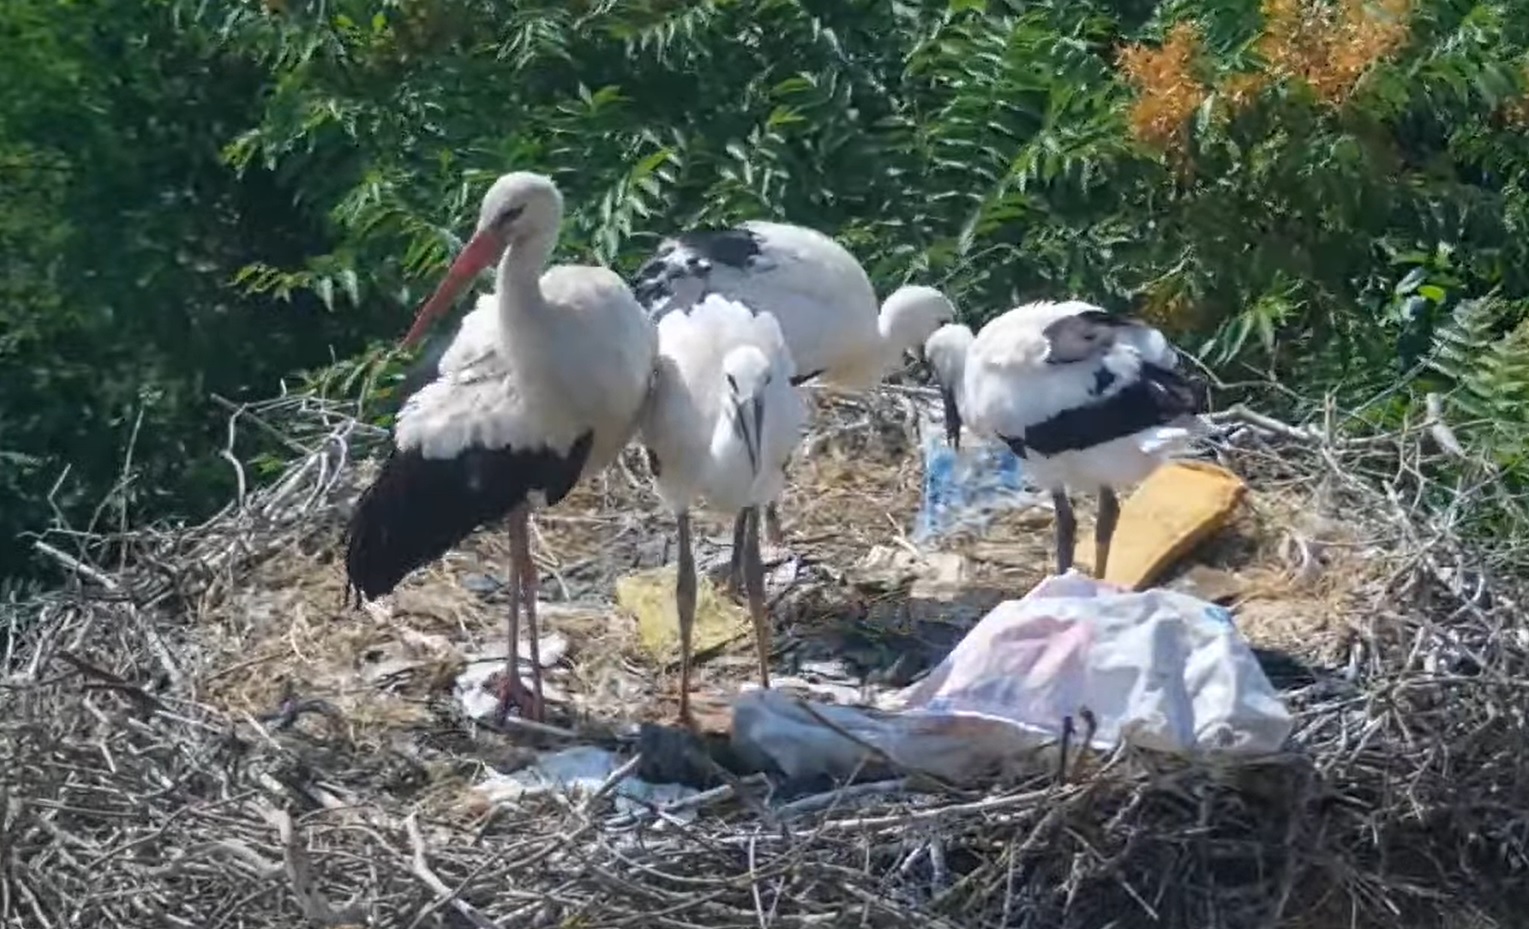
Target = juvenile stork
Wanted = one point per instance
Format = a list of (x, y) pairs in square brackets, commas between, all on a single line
[(819, 293), (1089, 401), (541, 386), (721, 422)]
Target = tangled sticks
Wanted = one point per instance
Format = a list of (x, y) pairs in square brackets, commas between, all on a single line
[(127, 799)]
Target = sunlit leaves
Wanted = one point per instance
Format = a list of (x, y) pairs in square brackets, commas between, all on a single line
[(983, 145)]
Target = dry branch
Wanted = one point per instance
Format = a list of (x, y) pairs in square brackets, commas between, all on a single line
[(1403, 798)]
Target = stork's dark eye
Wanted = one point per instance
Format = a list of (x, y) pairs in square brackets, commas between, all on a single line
[(508, 216), (732, 383)]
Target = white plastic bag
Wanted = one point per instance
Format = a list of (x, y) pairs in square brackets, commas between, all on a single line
[(1158, 669)]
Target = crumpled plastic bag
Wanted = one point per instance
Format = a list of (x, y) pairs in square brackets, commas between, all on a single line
[(1158, 669), (578, 772), (804, 739), (965, 489)]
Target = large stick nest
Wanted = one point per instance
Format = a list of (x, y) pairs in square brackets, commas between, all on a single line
[(152, 774)]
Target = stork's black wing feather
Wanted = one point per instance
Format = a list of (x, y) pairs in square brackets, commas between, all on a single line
[(1158, 397), (688, 259)]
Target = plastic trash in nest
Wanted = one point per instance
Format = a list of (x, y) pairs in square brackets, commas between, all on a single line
[(965, 489), (580, 771), (479, 702), (649, 596), (1158, 669)]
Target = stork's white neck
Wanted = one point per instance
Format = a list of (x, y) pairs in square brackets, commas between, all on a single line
[(518, 279), (890, 345), (887, 354), (946, 351)]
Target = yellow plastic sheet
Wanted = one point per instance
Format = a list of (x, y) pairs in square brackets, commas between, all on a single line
[(1173, 511), (649, 596)]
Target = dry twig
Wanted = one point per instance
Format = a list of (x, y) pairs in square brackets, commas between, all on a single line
[(1401, 801)]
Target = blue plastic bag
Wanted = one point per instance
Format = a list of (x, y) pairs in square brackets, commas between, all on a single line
[(964, 490)]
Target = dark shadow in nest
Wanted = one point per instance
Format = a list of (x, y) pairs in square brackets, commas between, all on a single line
[(1233, 546), (883, 638), (1287, 671)]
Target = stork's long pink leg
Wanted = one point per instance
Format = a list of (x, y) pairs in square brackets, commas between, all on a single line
[(511, 690), (529, 581), (510, 693)]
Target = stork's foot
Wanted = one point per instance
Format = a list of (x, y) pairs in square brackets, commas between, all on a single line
[(727, 577), (774, 535), (514, 693)]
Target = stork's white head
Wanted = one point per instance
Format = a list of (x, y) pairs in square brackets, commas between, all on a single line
[(520, 205), (747, 373), (911, 314), (521, 210)]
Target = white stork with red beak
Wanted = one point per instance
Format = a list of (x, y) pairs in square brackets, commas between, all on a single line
[(541, 386)]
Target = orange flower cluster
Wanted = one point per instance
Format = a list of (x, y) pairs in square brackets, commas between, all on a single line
[(1170, 309), (1167, 89), (1516, 112), (1327, 44), (1330, 45)]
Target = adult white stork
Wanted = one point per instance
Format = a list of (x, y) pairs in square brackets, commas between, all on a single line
[(1089, 401), (819, 293), (541, 386), (722, 421)]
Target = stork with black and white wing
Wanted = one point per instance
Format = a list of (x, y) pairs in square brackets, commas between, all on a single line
[(720, 424), (820, 295), (541, 386), (1089, 401)]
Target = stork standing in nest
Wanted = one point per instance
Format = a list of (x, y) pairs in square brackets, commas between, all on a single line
[(1089, 401), (820, 295), (541, 386), (720, 424)]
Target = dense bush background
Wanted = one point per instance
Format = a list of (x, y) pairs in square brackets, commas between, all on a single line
[(199, 199)]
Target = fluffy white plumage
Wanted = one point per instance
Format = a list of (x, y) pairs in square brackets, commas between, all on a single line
[(721, 421), (689, 421), (585, 365), (818, 292), (1091, 402), (1004, 385)]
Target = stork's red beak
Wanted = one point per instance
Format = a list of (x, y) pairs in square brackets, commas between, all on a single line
[(481, 251)]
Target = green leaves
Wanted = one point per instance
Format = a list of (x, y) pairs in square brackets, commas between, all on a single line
[(285, 177)]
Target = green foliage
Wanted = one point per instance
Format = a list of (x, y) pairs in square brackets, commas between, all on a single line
[(263, 188), (121, 227), (1488, 371)]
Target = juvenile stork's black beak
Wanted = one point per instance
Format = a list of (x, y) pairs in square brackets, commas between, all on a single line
[(750, 411), (952, 417), (921, 366)]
